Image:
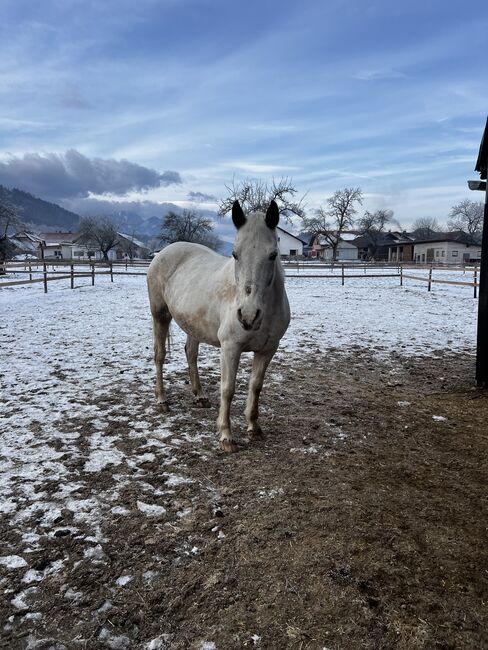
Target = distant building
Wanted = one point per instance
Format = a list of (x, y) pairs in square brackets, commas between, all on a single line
[(346, 251), (290, 245), (447, 248), (385, 247)]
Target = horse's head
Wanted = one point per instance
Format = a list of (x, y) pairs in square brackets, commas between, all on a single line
[(256, 262)]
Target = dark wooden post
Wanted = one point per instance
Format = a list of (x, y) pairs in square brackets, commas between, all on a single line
[(111, 272), (401, 275), (93, 275), (482, 353), (475, 280), (44, 269), (482, 338), (429, 285), (342, 274), (30, 271), (72, 276)]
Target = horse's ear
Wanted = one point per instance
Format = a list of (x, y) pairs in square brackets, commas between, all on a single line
[(272, 215), (238, 216)]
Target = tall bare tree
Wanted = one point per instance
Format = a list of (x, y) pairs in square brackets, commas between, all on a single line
[(425, 227), (339, 215), (468, 217), (373, 225), (255, 195), (100, 232), (9, 221), (189, 226)]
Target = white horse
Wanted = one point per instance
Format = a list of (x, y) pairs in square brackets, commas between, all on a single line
[(239, 305)]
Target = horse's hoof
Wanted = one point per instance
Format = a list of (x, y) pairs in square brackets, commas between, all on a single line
[(229, 446), (163, 407), (256, 434), (202, 402)]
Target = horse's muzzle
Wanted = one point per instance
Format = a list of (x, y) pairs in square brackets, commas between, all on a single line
[(249, 325)]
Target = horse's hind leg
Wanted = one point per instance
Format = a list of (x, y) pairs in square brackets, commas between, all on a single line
[(191, 350), (161, 322)]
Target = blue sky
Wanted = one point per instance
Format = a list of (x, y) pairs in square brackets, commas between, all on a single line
[(390, 97)]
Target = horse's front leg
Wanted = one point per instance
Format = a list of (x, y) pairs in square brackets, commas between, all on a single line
[(259, 365), (229, 362)]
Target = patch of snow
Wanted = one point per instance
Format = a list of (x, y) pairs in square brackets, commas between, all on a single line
[(13, 561), (439, 418), (123, 580), (162, 642), (151, 510), (174, 480), (113, 641)]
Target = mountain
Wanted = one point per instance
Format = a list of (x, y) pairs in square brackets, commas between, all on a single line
[(38, 214)]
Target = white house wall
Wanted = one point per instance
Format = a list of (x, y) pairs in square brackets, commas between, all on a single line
[(288, 244), (446, 252)]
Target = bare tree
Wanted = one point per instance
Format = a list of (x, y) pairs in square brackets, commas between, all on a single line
[(100, 232), (339, 215), (425, 227), (9, 221), (189, 226), (255, 195), (468, 217), (373, 225)]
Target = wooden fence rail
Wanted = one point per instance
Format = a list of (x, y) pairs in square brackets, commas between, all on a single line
[(35, 267)]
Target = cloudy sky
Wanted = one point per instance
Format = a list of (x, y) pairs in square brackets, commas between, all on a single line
[(169, 100)]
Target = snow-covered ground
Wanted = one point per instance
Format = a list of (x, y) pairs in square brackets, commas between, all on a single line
[(68, 356)]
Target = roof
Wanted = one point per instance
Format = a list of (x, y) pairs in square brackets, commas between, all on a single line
[(482, 162), (289, 234), (54, 238), (29, 236), (457, 236), (135, 241)]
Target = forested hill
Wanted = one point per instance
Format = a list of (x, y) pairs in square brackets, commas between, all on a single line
[(39, 214)]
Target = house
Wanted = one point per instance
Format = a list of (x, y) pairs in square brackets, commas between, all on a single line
[(454, 247), (26, 244), (346, 251), (63, 245), (129, 246), (290, 245), (386, 247)]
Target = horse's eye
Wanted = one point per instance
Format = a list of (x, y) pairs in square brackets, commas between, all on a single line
[(234, 255), (273, 256)]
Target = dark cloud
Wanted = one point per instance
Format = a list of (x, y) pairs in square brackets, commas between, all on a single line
[(200, 197), (71, 175)]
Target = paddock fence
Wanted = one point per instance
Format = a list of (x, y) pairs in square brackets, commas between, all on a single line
[(49, 270)]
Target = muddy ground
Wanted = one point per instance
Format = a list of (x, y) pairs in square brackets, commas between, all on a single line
[(360, 521)]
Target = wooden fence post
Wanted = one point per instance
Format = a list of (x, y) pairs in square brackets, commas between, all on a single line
[(30, 271), (111, 272), (475, 282), (429, 285), (401, 275), (72, 276), (93, 275), (343, 275), (45, 277)]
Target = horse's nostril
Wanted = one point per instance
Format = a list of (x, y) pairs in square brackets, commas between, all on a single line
[(239, 314), (258, 314), (248, 290)]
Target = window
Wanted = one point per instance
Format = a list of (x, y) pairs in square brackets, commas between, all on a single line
[(437, 253), (443, 254), (455, 253), (293, 251)]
